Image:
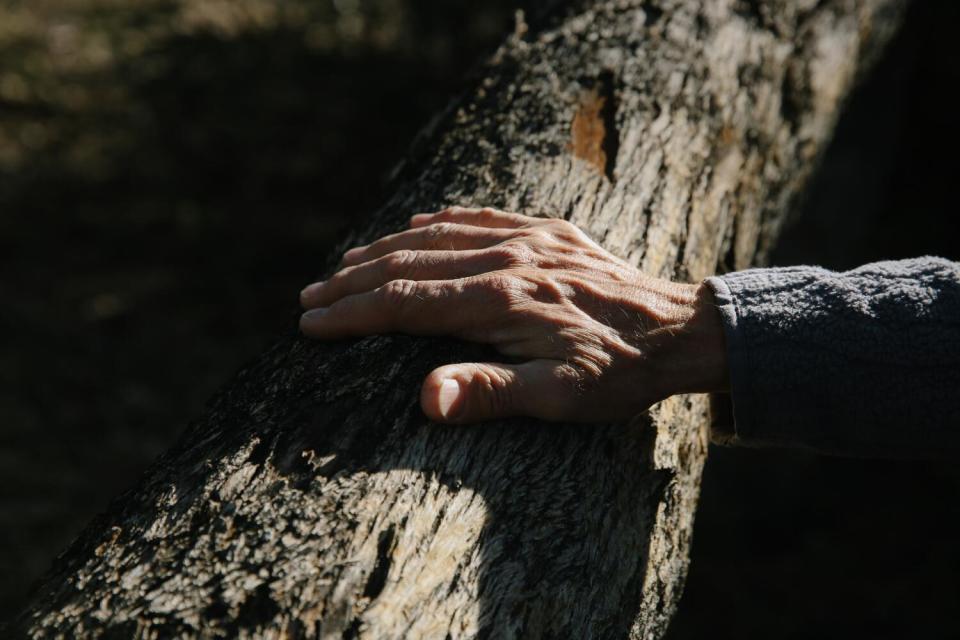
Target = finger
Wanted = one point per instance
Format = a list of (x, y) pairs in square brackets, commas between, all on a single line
[(430, 307), (484, 217), (440, 236), (474, 392), (404, 265)]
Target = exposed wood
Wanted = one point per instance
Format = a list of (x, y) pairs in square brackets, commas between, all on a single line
[(314, 499)]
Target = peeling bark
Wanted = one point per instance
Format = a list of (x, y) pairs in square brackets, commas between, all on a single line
[(315, 500)]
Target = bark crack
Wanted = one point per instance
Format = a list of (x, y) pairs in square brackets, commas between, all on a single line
[(378, 577), (608, 113)]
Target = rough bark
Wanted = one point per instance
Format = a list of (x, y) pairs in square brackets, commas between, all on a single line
[(314, 498)]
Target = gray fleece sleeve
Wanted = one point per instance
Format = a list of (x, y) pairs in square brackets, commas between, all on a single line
[(865, 362)]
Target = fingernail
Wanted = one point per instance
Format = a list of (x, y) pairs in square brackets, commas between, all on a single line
[(421, 217), (313, 314), (310, 291), (449, 394), (352, 253)]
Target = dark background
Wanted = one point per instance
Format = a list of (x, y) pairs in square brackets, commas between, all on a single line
[(171, 173)]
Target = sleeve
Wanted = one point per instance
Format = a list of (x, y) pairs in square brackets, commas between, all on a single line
[(864, 362)]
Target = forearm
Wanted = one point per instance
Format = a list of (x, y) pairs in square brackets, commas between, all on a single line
[(865, 362)]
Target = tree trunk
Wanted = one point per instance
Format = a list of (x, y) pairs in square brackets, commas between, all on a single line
[(314, 498)]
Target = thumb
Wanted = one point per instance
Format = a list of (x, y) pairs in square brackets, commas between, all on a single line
[(473, 392)]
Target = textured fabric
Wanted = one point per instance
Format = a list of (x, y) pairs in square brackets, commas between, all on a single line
[(865, 362)]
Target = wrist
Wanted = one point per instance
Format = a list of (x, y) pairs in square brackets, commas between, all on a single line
[(690, 356)]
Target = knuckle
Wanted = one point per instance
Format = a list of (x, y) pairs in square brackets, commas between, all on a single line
[(438, 230), (399, 263), (522, 254), (503, 290), (564, 230), (495, 390), (538, 234), (577, 378), (396, 293), (512, 255)]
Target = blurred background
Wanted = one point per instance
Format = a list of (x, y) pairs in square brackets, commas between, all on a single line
[(172, 172)]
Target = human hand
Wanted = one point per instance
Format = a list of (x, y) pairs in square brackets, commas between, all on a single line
[(599, 339)]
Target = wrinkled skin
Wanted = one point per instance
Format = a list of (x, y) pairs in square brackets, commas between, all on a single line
[(595, 338)]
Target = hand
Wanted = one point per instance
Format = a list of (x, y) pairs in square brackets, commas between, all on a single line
[(599, 340)]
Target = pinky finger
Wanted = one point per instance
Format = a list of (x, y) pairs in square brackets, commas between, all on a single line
[(482, 217)]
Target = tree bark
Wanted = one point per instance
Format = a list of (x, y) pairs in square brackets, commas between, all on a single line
[(314, 499)]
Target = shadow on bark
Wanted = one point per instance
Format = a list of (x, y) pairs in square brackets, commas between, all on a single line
[(318, 434)]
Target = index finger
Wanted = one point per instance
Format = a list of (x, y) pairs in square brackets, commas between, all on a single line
[(417, 307)]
